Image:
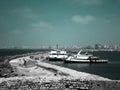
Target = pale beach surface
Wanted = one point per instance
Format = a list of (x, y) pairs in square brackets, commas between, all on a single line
[(49, 71)]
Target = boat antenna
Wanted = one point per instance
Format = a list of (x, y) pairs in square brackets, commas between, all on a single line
[(79, 52)]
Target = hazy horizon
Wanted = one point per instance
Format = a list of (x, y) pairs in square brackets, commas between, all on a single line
[(62, 22)]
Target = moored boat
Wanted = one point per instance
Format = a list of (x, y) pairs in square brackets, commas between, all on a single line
[(57, 55), (84, 58)]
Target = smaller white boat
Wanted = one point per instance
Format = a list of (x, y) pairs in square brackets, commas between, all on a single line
[(84, 58), (83, 55), (57, 55)]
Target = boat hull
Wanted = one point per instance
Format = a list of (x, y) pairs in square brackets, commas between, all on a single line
[(56, 59), (86, 61)]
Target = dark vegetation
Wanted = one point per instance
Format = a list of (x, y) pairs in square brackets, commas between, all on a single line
[(6, 69)]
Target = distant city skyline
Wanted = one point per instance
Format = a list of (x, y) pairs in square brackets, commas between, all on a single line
[(63, 22), (78, 47)]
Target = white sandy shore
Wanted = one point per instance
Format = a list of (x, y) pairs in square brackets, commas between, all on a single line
[(41, 72), (73, 73)]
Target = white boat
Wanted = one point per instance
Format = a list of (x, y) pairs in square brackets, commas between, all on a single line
[(57, 55), (84, 58), (82, 55)]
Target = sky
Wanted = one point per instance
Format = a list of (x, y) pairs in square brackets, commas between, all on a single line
[(63, 22)]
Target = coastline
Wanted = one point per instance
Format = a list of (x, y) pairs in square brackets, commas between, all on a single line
[(43, 72), (54, 69)]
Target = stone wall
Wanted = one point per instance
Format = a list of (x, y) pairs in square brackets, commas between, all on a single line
[(64, 84)]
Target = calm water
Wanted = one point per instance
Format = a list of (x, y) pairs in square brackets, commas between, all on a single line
[(110, 70), (9, 52)]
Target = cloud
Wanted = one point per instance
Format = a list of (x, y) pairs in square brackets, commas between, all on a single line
[(83, 20), (26, 12), (86, 2), (42, 25)]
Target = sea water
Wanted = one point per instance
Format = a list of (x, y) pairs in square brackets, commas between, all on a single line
[(109, 70)]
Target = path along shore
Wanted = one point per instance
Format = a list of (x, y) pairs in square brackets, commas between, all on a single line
[(39, 68), (35, 70)]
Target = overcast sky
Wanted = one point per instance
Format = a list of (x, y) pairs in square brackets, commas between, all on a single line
[(63, 22)]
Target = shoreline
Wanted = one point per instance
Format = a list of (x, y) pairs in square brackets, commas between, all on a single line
[(57, 69), (45, 65), (42, 73), (17, 63)]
